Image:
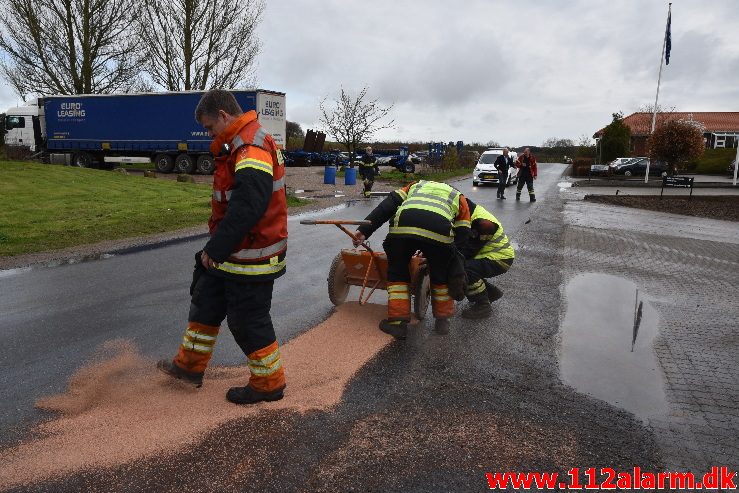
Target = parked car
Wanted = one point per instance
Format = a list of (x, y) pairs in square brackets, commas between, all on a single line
[(485, 171), (639, 167)]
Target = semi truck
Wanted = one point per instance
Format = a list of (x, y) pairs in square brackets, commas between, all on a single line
[(101, 130)]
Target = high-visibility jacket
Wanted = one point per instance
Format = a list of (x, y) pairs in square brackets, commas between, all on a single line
[(248, 223), (426, 210), (490, 244)]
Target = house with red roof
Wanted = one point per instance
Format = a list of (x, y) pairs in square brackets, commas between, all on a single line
[(720, 128)]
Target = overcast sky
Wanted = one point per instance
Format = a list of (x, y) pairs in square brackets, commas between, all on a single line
[(513, 71)]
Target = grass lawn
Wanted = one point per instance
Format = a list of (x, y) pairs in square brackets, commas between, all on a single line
[(714, 161), (47, 207)]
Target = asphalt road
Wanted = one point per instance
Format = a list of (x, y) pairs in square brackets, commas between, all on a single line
[(53, 319)]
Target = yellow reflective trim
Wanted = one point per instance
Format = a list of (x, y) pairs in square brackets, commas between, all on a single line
[(407, 230), (252, 270), (397, 288), (255, 164), (440, 290), (440, 298), (263, 372), (476, 288), (398, 296), (198, 348), (462, 223), (266, 360), (403, 194), (199, 336)]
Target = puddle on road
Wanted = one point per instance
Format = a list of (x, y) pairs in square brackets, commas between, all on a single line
[(607, 344), (564, 184)]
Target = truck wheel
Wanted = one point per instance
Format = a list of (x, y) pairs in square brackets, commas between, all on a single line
[(163, 163), (338, 288), (82, 160), (206, 164), (184, 164), (421, 294), (409, 168)]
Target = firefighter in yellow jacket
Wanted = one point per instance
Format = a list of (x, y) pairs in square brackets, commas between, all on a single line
[(488, 253), (427, 216), (235, 271)]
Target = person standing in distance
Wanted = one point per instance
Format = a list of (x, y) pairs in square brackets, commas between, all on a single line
[(368, 169), (502, 164), (526, 164), (235, 271)]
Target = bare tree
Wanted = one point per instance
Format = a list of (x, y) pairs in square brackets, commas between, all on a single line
[(69, 46), (353, 120), (200, 44)]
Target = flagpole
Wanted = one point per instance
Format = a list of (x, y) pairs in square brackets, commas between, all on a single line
[(659, 80)]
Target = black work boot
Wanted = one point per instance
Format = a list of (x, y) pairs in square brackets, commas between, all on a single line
[(518, 195), (247, 395), (532, 198), (398, 329), (441, 326), (494, 293), (477, 310), (174, 371)]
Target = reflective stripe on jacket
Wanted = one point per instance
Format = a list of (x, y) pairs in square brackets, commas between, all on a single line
[(430, 210), (260, 254), (497, 247)]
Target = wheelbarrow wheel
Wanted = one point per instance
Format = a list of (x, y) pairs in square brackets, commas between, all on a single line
[(421, 293), (338, 288)]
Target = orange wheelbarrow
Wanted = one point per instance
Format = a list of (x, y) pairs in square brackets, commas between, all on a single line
[(368, 269)]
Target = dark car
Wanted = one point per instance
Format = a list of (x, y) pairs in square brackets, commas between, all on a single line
[(639, 167)]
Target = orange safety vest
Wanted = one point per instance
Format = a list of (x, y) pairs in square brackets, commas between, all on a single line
[(261, 254)]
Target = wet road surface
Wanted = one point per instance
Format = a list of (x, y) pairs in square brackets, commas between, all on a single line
[(430, 413)]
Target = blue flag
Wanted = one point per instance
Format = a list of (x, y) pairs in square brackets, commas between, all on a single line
[(668, 39)]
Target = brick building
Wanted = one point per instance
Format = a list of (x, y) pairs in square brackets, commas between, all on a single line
[(721, 129)]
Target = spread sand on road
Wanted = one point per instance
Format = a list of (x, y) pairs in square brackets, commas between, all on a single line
[(119, 408)]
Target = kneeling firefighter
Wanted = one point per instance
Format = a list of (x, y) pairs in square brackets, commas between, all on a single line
[(431, 217), (488, 253)]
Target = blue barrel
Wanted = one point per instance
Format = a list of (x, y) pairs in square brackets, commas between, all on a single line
[(329, 175), (350, 176)]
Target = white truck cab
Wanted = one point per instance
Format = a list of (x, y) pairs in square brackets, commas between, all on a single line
[(24, 126)]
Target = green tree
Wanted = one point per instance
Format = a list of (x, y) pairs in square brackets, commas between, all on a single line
[(295, 135), (616, 139), (676, 142)]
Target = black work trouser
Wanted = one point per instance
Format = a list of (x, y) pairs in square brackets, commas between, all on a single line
[(484, 268), (529, 181), (502, 181), (399, 251), (245, 305), (368, 176)]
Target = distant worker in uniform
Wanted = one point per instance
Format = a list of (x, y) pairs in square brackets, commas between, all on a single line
[(235, 271), (526, 164), (367, 170), (503, 164), (431, 217), (488, 253)]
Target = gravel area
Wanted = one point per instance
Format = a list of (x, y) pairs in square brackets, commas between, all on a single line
[(725, 207)]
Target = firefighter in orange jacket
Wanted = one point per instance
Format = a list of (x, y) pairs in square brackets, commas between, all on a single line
[(236, 269), (430, 217)]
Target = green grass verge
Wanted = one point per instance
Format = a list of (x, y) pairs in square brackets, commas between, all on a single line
[(713, 162), (46, 207)]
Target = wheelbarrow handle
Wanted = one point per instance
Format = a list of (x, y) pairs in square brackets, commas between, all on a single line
[(335, 222)]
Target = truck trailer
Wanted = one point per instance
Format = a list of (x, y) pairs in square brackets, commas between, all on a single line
[(101, 130)]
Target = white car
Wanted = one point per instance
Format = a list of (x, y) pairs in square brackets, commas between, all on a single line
[(485, 171)]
